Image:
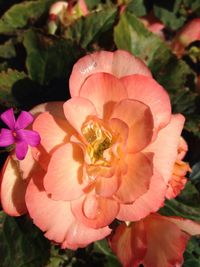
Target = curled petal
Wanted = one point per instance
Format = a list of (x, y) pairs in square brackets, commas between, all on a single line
[(6, 138), (188, 226), (104, 91), (140, 121), (25, 118), (8, 118), (95, 211)]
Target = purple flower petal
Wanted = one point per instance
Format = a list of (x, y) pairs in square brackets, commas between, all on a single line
[(30, 137), (6, 138), (24, 119), (21, 149), (8, 118)]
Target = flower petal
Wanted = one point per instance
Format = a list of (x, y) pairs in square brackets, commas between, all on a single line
[(13, 189), (77, 110), (119, 63), (8, 118), (149, 92), (139, 119), (166, 145), (129, 243), (56, 219), (106, 187), (169, 245), (64, 176), (147, 203), (6, 138), (53, 131), (136, 181), (104, 91), (95, 211), (188, 226), (25, 118), (21, 149), (30, 137)]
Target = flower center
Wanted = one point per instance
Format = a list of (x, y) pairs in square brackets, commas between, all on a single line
[(98, 138)]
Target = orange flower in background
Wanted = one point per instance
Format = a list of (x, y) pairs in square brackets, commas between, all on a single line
[(154, 241), (178, 179), (106, 153), (188, 34)]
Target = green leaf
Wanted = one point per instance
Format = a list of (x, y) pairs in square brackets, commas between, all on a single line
[(21, 243), (175, 75), (103, 248), (174, 207), (7, 50), (137, 7), (92, 3), (86, 29), (192, 253), (193, 125), (170, 12), (7, 80), (49, 57), (195, 174), (23, 14)]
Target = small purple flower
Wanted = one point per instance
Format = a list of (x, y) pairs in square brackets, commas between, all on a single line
[(16, 134)]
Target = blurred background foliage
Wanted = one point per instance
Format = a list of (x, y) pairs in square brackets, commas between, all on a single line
[(35, 67)]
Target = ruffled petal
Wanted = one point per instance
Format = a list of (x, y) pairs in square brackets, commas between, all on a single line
[(77, 110), (106, 187), (25, 119), (30, 137), (149, 92), (6, 138), (140, 121), (95, 211), (21, 149), (104, 91), (8, 118), (64, 178), (56, 219), (166, 145), (147, 203), (119, 63), (13, 188), (136, 181)]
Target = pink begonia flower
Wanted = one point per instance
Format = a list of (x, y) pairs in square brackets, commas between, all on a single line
[(178, 179), (188, 34), (154, 241), (106, 153), (16, 134), (153, 24), (65, 12)]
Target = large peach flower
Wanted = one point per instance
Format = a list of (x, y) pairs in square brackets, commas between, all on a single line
[(106, 153), (154, 241)]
